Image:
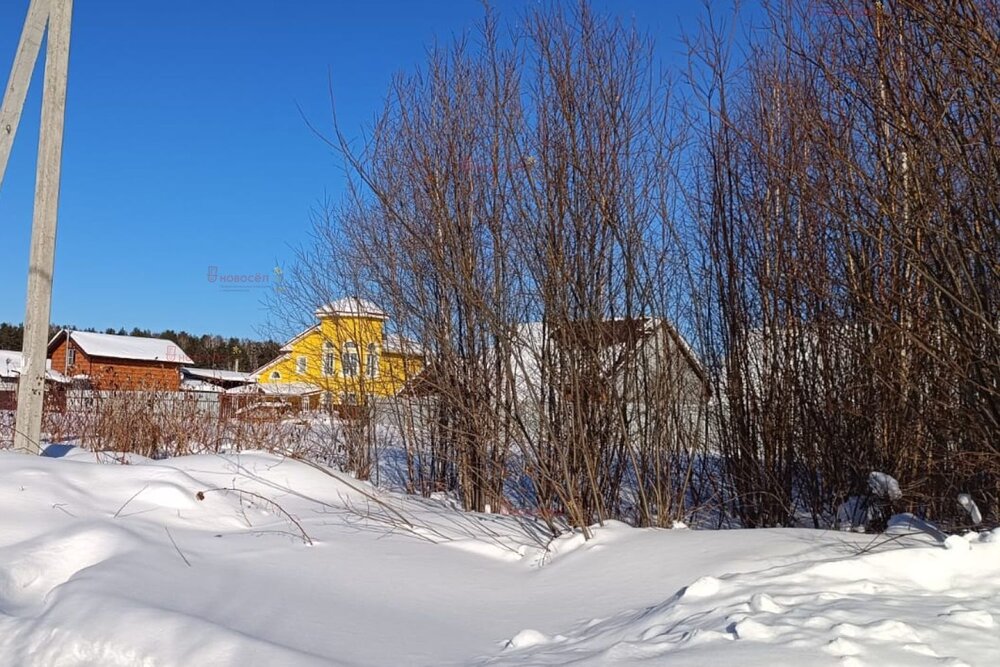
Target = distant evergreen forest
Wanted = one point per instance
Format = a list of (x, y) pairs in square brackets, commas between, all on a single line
[(207, 351)]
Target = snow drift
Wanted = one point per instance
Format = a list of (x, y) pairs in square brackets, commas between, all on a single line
[(257, 560)]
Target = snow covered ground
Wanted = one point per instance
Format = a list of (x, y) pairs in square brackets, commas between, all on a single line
[(107, 564)]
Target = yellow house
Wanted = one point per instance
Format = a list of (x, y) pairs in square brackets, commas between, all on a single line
[(344, 358)]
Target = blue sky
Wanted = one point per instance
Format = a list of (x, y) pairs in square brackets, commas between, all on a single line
[(185, 149)]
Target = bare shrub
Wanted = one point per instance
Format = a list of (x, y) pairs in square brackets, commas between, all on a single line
[(520, 194), (848, 197)]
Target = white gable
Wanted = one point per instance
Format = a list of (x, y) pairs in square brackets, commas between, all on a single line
[(12, 360)]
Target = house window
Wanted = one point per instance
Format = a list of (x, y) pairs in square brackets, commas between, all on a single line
[(371, 361), (71, 357), (328, 356), (275, 375), (349, 360), (350, 398), (300, 366)]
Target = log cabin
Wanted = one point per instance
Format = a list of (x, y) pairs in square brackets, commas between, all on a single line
[(113, 362)]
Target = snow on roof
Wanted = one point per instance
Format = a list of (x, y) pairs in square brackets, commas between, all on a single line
[(219, 375), (11, 362), (243, 389), (397, 344), (129, 347), (190, 384), (289, 388), (352, 306), (277, 389)]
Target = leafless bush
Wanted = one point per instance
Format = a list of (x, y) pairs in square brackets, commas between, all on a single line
[(512, 210), (830, 244), (158, 424), (849, 204)]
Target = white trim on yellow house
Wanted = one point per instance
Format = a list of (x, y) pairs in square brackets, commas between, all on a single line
[(353, 331), (287, 347), (262, 371)]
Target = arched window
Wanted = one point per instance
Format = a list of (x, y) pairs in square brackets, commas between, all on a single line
[(371, 361), (275, 375), (349, 361), (328, 358)]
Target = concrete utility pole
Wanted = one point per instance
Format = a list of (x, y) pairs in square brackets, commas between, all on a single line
[(31, 385), (20, 77)]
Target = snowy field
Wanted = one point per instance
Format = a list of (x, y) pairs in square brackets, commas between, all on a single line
[(157, 563)]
